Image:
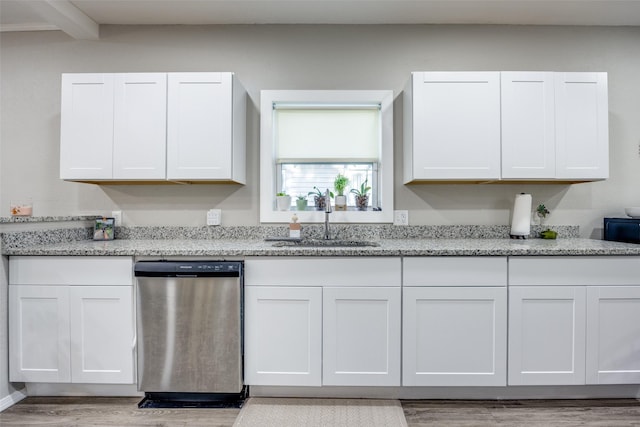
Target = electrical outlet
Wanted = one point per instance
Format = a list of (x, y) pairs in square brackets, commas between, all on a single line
[(117, 217), (400, 217), (214, 216)]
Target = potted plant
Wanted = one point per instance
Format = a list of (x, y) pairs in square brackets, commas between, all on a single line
[(301, 202), (545, 232), (362, 198), (318, 198), (283, 201), (541, 213), (340, 184)]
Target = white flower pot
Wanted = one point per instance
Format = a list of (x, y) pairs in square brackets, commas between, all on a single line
[(283, 203)]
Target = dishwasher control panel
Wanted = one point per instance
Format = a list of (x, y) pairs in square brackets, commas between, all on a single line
[(191, 268)]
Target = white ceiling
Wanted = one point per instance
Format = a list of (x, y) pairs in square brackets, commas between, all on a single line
[(82, 18)]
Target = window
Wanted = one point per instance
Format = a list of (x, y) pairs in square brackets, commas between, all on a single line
[(309, 137)]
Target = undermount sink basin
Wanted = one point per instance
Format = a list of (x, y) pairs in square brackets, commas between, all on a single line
[(327, 243)]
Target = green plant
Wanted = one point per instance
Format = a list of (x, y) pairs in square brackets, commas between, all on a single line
[(340, 183), (363, 190), (281, 194), (542, 211), (318, 193), (301, 197)]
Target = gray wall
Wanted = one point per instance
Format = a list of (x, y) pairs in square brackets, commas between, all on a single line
[(310, 57)]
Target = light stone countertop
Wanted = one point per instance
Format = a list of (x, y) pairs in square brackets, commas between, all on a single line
[(222, 248)]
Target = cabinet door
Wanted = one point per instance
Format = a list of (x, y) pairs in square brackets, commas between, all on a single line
[(199, 144), (528, 128), (454, 336), (361, 336), (140, 126), (582, 126), (39, 334), (101, 334), (613, 335), (547, 335), (456, 125), (283, 336), (86, 126)]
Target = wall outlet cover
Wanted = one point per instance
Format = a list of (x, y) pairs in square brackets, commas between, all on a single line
[(214, 217), (117, 217), (400, 217)]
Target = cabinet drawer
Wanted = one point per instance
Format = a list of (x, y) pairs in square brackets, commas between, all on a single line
[(64, 270), (548, 271), (455, 271), (323, 271)]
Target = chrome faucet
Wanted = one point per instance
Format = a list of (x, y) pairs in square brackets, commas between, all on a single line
[(327, 211)]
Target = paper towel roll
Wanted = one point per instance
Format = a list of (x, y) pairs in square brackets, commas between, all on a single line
[(521, 220)]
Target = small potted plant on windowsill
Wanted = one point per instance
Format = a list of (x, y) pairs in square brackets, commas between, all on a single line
[(361, 195), (340, 184), (318, 198), (301, 202), (283, 201)]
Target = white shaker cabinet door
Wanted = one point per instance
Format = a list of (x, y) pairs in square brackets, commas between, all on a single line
[(455, 129), (582, 126), (283, 336), (199, 144), (86, 126), (102, 330), (361, 336), (547, 335), (140, 126), (39, 334), (613, 335), (454, 336), (528, 128)]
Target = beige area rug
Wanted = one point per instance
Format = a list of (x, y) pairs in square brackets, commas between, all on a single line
[(298, 412)]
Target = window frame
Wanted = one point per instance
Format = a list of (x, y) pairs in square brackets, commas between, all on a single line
[(268, 169)]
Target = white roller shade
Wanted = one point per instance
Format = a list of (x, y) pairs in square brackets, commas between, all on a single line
[(327, 134)]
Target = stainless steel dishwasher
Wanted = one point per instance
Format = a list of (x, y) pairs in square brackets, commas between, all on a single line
[(189, 329)]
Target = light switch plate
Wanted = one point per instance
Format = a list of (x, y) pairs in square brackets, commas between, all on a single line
[(400, 217), (214, 216)]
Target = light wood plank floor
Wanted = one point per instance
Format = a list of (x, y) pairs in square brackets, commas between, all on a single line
[(116, 412)]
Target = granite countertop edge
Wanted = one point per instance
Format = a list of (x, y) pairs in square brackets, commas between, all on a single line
[(388, 247)]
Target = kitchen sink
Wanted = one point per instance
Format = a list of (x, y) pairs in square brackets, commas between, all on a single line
[(332, 243)]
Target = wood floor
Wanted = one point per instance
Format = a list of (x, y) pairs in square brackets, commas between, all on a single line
[(116, 412)]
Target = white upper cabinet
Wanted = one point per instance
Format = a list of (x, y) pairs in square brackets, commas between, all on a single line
[(528, 138), (153, 126), (86, 126), (520, 126), (206, 128), (582, 126), (452, 126), (139, 127)]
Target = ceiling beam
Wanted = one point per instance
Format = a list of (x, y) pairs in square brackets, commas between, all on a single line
[(68, 18)]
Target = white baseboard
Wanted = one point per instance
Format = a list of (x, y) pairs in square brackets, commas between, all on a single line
[(12, 399)]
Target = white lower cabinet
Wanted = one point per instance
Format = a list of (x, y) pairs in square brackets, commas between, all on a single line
[(361, 336), (322, 321), (39, 334), (283, 335), (546, 335), (454, 323), (613, 335), (71, 333), (574, 320)]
